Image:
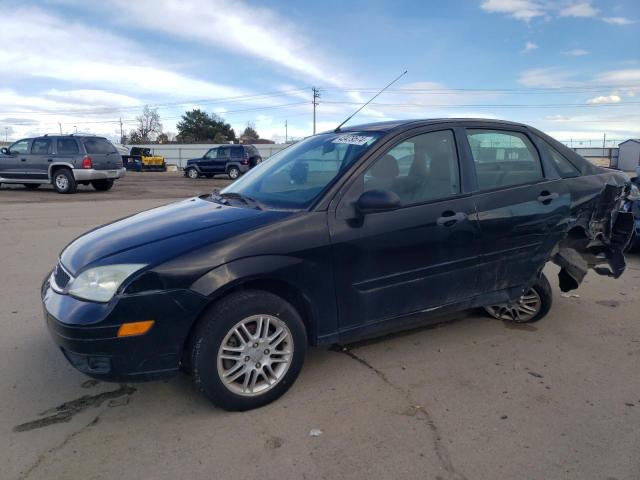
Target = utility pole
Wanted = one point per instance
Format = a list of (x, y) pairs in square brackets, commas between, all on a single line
[(121, 136), (6, 134), (75, 127), (316, 95), (285, 131), (60, 126)]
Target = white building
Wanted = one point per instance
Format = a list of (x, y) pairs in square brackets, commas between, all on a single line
[(629, 155)]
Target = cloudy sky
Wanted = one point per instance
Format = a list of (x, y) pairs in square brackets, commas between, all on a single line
[(570, 68)]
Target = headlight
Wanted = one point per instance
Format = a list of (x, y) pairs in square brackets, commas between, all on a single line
[(101, 283)]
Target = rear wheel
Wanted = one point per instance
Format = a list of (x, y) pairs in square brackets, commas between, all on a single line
[(192, 173), (248, 350), (63, 181), (233, 173), (31, 186), (102, 185), (529, 308)]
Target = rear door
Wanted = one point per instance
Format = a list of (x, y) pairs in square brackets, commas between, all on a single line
[(522, 205), (37, 164), (220, 163), (13, 166), (104, 155), (66, 151)]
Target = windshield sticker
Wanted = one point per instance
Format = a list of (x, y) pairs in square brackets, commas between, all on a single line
[(352, 139)]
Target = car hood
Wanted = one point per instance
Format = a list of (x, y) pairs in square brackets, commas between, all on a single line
[(162, 233)]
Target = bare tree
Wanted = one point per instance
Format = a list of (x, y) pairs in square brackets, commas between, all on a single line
[(149, 126)]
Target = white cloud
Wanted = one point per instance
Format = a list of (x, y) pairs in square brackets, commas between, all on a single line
[(552, 77), (618, 20), (521, 9), (581, 10), (528, 47), (604, 99), (625, 77), (576, 52), (232, 25)]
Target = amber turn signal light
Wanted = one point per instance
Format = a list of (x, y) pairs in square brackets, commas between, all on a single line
[(135, 328)]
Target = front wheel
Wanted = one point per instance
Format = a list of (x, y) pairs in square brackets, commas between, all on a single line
[(192, 173), (233, 173), (248, 350), (529, 308)]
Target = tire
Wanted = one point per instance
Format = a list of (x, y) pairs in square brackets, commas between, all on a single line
[(102, 185), (220, 326), (31, 186), (529, 308), (192, 173), (233, 173), (63, 181)]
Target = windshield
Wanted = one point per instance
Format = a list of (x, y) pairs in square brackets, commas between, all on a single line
[(295, 177)]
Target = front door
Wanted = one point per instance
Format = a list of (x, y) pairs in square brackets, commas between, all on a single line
[(419, 257), (522, 209), (13, 166)]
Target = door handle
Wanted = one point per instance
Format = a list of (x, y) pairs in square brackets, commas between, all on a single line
[(450, 218), (23, 159), (546, 197), (49, 159)]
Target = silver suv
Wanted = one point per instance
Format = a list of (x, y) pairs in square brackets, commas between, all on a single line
[(62, 160)]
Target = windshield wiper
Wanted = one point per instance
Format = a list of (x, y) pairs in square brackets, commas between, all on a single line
[(249, 201)]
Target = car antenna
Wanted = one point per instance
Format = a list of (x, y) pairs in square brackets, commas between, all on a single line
[(370, 100)]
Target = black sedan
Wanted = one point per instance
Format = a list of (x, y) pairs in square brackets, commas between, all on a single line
[(345, 235)]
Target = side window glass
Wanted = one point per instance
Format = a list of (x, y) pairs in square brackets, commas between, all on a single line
[(420, 169), (236, 153), (20, 147), (212, 153), (223, 152), (566, 169), (503, 159), (40, 146), (66, 146)]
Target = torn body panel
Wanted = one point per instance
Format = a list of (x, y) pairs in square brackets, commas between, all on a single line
[(597, 235)]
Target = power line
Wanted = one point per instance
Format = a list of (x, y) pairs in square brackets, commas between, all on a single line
[(503, 105)]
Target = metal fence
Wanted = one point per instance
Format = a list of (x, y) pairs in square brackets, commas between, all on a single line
[(178, 154)]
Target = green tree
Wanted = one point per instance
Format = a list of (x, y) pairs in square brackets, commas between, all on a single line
[(199, 126), (250, 134)]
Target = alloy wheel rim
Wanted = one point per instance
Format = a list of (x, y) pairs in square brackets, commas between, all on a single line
[(519, 311), (255, 355), (233, 173), (62, 182), (193, 173)]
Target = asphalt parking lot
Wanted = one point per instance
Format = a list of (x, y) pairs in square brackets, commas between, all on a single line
[(472, 398)]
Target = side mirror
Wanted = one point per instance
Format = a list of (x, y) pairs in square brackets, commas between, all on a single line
[(4, 151), (373, 201)]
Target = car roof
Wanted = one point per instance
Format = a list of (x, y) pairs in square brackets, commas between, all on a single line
[(387, 126)]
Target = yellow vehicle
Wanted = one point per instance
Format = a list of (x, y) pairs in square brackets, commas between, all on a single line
[(141, 159)]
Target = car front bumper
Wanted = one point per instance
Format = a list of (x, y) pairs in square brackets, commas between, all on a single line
[(89, 174), (86, 332)]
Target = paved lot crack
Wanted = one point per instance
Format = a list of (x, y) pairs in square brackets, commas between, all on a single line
[(420, 412), (66, 411), (24, 475)]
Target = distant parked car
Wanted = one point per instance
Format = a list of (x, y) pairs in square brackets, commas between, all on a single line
[(234, 160), (62, 160)]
